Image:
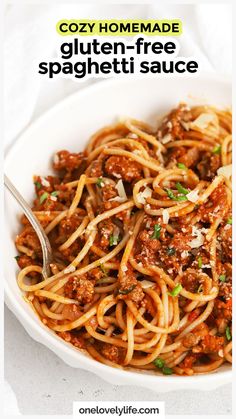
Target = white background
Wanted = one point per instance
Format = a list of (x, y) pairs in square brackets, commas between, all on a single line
[(41, 382)]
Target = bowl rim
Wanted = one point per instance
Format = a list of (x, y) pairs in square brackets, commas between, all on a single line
[(39, 332), (19, 140)]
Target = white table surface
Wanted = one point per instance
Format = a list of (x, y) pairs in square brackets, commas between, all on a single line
[(43, 384)]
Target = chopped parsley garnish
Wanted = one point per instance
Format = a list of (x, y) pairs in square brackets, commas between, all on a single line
[(176, 290), (113, 240), (128, 290), (170, 251), (54, 193), (199, 262), (228, 333), (181, 166), (216, 149), (43, 197), (181, 198), (38, 185), (222, 278), (16, 257), (167, 371), (159, 363), (181, 189), (229, 221), (157, 231), (171, 195), (99, 182)]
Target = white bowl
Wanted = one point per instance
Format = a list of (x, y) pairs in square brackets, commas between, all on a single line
[(68, 126)]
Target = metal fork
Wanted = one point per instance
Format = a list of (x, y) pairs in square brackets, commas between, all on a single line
[(43, 238)]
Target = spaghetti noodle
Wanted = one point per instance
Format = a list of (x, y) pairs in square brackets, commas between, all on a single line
[(140, 226)]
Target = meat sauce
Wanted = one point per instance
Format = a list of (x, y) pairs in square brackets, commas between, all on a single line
[(172, 252)]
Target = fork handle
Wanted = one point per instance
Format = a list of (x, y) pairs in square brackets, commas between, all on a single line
[(43, 238)]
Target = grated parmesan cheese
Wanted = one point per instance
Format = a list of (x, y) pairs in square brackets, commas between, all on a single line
[(203, 120), (133, 135), (142, 196), (166, 139), (185, 125), (204, 230), (45, 182), (184, 254), (53, 198), (117, 175), (145, 284), (192, 196), (195, 231), (165, 216), (160, 156), (225, 171), (206, 266), (198, 240), (121, 191)]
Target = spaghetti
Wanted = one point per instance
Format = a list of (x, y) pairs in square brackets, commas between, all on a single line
[(140, 225)]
